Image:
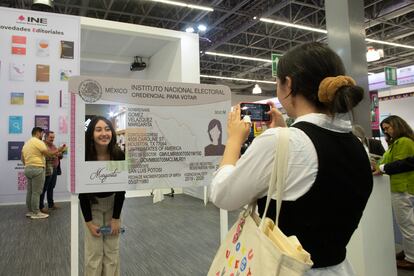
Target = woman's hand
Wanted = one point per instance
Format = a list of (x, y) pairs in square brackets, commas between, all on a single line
[(115, 226), (377, 172), (375, 168), (94, 229), (237, 132), (237, 129), (276, 117)]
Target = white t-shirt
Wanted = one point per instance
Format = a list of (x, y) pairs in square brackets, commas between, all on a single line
[(235, 186)]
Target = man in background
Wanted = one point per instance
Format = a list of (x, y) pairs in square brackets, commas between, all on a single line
[(33, 158), (52, 163)]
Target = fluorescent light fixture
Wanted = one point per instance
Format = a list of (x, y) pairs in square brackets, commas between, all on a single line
[(240, 57), (256, 89), (202, 28), (297, 26), (171, 2), (198, 7), (369, 73), (389, 43), (189, 30), (237, 79), (181, 4)]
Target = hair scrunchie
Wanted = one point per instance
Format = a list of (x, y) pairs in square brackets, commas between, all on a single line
[(329, 86)]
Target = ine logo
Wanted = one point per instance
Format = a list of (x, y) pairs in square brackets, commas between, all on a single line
[(32, 20)]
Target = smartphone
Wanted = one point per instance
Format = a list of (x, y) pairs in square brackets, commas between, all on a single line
[(256, 111)]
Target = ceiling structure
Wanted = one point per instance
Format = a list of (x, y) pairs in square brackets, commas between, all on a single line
[(234, 28)]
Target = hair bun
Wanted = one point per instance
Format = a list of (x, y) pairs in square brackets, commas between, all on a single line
[(330, 85)]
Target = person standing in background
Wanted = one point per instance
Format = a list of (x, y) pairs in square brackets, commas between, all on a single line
[(102, 209), (52, 163), (33, 158), (401, 139)]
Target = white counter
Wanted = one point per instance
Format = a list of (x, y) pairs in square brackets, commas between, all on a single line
[(371, 250)]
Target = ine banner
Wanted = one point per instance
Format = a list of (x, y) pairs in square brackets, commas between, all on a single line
[(171, 133), (32, 88)]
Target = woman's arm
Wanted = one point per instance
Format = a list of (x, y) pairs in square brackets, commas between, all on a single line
[(115, 221), (239, 181), (85, 205), (399, 166)]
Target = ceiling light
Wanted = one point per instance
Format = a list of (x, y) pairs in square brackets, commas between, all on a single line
[(237, 79), (197, 7), (181, 4), (189, 30), (374, 55), (202, 28), (256, 89), (42, 5), (389, 43), (302, 27), (297, 26), (240, 57)]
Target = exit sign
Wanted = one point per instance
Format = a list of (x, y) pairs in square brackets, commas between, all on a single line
[(390, 75)]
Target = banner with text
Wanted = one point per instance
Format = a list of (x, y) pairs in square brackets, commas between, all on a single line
[(39, 51), (171, 133)]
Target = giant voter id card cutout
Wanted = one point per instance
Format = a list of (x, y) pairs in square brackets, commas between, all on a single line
[(172, 134)]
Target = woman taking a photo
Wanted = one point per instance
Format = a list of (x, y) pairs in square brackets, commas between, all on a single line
[(101, 209), (328, 180)]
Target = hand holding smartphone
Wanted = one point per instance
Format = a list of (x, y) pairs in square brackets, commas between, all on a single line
[(258, 112)]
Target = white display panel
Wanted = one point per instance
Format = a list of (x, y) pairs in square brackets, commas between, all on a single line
[(38, 53)]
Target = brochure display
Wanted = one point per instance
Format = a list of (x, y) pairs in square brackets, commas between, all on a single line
[(171, 133), (38, 53)]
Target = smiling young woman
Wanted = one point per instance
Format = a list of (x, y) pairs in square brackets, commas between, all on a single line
[(102, 209)]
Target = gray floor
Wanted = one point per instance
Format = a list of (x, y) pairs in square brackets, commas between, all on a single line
[(177, 236)]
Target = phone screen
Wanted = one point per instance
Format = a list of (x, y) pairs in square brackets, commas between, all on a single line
[(256, 111)]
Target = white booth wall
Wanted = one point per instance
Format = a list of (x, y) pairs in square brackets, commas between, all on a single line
[(400, 106), (108, 49)]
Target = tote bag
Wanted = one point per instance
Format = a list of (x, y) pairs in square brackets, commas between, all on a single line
[(258, 247)]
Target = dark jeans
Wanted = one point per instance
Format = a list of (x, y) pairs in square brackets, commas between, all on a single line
[(50, 183)]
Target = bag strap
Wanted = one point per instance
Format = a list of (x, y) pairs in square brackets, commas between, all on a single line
[(278, 176)]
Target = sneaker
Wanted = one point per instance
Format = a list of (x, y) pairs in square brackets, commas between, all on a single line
[(29, 214), (39, 215), (404, 264)]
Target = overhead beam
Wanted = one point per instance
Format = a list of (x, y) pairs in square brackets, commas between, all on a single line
[(247, 25)]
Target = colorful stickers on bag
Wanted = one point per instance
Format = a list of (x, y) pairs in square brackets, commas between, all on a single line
[(238, 257)]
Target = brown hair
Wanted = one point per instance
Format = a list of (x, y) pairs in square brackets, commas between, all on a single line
[(308, 65), (399, 126)]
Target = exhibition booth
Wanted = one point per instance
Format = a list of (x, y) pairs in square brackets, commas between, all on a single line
[(36, 67)]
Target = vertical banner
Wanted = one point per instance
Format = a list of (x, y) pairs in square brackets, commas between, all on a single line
[(171, 134), (38, 53), (374, 113)]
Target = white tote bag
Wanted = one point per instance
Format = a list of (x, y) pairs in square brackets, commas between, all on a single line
[(258, 247)]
